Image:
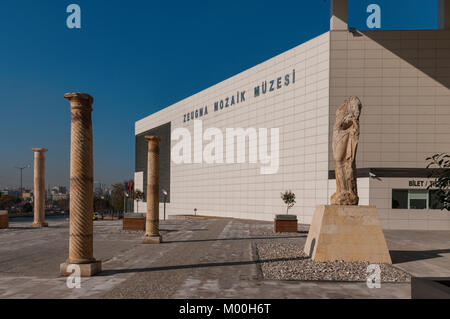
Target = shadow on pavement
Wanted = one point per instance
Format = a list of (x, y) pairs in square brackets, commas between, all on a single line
[(403, 256), (218, 264), (175, 230), (223, 239)]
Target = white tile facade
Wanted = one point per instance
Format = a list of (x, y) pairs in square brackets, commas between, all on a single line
[(381, 196), (299, 110), (403, 80)]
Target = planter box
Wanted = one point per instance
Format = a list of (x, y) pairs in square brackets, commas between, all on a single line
[(4, 219), (134, 222), (430, 288), (286, 224)]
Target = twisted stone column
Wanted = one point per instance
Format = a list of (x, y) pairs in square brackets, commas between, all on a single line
[(152, 235), (39, 187), (81, 245)]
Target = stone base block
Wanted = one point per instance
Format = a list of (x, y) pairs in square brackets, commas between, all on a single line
[(152, 239), (4, 223), (286, 224), (39, 225), (86, 270), (348, 233)]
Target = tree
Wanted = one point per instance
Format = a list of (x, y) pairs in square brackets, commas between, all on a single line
[(101, 204), (288, 198), (440, 165), (117, 194), (8, 201), (139, 196), (27, 208), (63, 204)]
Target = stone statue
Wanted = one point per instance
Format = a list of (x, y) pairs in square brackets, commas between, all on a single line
[(345, 144)]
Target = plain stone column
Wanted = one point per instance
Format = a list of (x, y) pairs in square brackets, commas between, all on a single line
[(81, 244), (152, 235), (39, 187)]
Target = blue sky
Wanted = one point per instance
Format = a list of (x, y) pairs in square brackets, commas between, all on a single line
[(134, 58)]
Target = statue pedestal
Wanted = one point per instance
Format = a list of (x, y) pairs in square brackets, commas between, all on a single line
[(348, 233)]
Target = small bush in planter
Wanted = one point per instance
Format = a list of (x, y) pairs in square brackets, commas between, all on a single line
[(139, 196), (288, 198)]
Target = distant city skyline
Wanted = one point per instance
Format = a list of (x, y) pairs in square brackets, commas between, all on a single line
[(134, 60)]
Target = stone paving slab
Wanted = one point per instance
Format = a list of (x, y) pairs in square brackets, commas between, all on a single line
[(199, 258)]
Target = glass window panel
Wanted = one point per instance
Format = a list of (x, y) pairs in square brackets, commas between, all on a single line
[(418, 199), (417, 204), (400, 199)]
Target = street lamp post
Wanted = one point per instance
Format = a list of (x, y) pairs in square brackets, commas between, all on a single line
[(21, 175), (165, 200)]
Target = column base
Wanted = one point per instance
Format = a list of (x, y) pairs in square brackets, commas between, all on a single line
[(86, 270), (152, 239), (39, 225)]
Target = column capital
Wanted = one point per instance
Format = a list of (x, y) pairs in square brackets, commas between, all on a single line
[(81, 100), (153, 139), (39, 150)]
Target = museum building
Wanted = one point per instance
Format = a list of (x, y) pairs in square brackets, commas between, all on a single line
[(287, 106)]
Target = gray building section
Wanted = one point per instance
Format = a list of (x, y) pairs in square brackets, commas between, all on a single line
[(141, 156), (403, 81)]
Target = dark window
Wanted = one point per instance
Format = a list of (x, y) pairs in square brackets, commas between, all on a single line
[(415, 199), (435, 202), (400, 199)]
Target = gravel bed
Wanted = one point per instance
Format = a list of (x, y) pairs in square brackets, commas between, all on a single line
[(270, 233), (267, 231), (298, 266)]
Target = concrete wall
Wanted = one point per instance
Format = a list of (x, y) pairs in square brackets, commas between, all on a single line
[(425, 219), (378, 192), (403, 81), (300, 110)]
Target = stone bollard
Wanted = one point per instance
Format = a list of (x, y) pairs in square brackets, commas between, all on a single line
[(39, 187), (152, 235), (81, 245)]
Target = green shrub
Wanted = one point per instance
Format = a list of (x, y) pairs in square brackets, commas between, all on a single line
[(288, 198)]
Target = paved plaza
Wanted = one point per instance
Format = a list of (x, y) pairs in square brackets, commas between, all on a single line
[(200, 258)]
